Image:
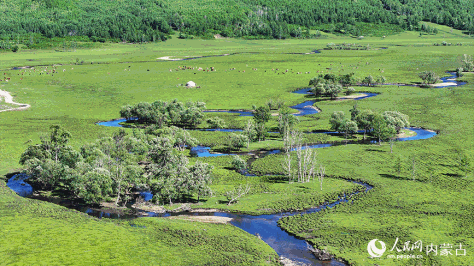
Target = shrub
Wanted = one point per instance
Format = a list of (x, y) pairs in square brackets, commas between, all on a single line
[(428, 77), (369, 80), (468, 65), (381, 80), (238, 163), (215, 122), (349, 91), (15, 48), (237, 141)]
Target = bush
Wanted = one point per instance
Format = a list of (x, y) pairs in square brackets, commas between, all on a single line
[(428, 77), (381, 80), (275, 104), (215, 122), (369, 80), (15, 48), (468, 64), (238, 163), (237, 141), (349, 91)]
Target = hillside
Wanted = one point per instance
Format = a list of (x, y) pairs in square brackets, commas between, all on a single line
[(30, 21)]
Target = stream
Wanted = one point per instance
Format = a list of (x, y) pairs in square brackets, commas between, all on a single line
[(265, 226)]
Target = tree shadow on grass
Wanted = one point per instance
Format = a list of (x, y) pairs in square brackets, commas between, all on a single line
[(397, 177), (276, 179), (452, 175), (370, 149), (302, 187)]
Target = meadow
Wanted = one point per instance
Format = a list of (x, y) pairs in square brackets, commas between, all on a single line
[(429, 204)]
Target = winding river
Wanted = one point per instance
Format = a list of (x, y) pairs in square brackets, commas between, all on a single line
[(265, 226)]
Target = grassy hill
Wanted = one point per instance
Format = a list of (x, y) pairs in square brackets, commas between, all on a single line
[(29, 22)]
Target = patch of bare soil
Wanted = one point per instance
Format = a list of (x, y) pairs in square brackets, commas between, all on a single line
[(203, 219), (9, 99)]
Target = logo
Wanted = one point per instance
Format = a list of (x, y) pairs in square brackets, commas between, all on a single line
[(373, 250)]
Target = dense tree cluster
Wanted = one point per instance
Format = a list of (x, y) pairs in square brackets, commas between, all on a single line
[(383, 126), (330, 85), (112, 168), (161, 113), (26, 21)]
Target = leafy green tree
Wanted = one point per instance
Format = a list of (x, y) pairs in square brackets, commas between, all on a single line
[(317, 80), (319, 90), (261, 116), (215, 122), (171, 181), (364, 120), (127, 112), (238, 163), (58, 140), (237, 141), (201, 179), (354, 112), (467, 63), (337, 119), (381, 129), (332, 90), (428, 77), (369, 80), (286, 120), (47, 173), (179, 137), (95, 186), (396, 119), (35, 151), (349, 91), (348, 127), (381, 80), (250, 132), (347, 79)]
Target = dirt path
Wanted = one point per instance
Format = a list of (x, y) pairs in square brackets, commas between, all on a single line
[(9, 99)]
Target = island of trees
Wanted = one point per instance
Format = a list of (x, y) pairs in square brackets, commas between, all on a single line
[(153, 158)]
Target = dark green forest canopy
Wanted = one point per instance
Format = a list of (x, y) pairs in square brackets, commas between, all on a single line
[(153, 20)]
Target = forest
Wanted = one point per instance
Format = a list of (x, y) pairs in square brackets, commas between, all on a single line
[(35, 22)]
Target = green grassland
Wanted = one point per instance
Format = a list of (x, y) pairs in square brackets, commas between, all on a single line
[(34, 232), (434, 207)]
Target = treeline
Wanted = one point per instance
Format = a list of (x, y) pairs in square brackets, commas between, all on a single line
[(115, 168), (154, 20)]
